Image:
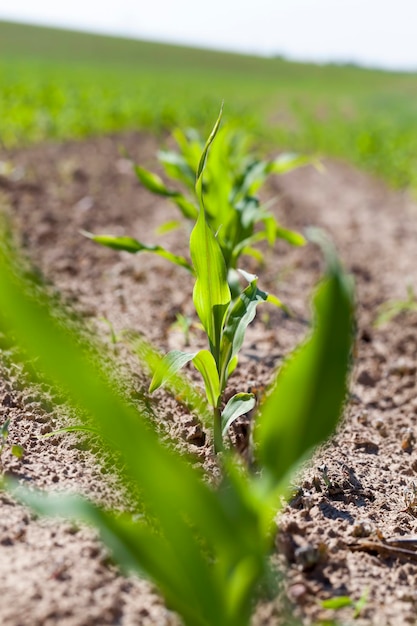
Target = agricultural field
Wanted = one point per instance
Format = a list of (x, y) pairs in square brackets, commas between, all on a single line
[(265, 484), (60, 85)]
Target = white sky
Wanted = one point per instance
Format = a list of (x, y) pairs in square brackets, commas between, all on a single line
[(373, 32)]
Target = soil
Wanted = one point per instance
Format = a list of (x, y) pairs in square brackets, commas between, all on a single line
[(359, 487)]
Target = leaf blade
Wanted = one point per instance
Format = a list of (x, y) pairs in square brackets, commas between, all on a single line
[(129, 244), (238, 405), (169, 366), (206, 365), (290, 422)]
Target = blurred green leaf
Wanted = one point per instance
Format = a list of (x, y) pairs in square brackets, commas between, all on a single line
[(153, 182), (17, 451), (307, 398), (337, 603), (197, 551)]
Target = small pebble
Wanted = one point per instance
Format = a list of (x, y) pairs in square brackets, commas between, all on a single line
[(365, 379), (297, 591), (363, 417), (402, 367), (361, 528), (407, 440), (381, 427)]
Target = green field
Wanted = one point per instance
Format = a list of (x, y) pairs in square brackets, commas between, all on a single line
[(57, 84)]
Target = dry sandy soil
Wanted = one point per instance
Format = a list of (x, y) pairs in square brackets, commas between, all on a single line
[(354, 491)]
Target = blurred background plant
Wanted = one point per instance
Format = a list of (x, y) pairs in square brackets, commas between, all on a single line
[(58, 85)]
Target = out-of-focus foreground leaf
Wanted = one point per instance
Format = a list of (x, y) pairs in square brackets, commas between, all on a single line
[(308, 395), (198, 550), (205, 549)]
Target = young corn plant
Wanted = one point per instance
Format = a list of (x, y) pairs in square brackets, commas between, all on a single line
[(233, 209), (206, 547), (224, 319)]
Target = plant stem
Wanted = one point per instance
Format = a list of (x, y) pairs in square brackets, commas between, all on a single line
[(217, 430)]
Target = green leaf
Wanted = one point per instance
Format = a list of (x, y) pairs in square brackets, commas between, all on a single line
[(17, 451), (288, 161), (153, 182), (76, 428), (339, 602), (250, 211), (238, 405), (232, 365), (209, 141), (176, 166), (4, 429), (168, 227), (178, 385), (240, 316), (253, 177), (206, 365), (277, 302), (188, 209), (294, 238), (128, 244), (253, 252), (211, 294), (169, 366), (135, 546), (307, 399)]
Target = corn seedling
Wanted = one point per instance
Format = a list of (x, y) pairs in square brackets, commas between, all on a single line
[(224, 321), (233, 210), (15, 449), (205, 547), (232, 180)]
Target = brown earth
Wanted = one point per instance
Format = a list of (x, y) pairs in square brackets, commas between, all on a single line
[(355, 490)]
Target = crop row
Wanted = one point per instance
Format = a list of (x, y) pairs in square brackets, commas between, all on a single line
[(62, 85), (206, 547)]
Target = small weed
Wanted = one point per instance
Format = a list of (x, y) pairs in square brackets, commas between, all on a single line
[(184, 324), (340, 602), (390, 310), (15, 449)]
